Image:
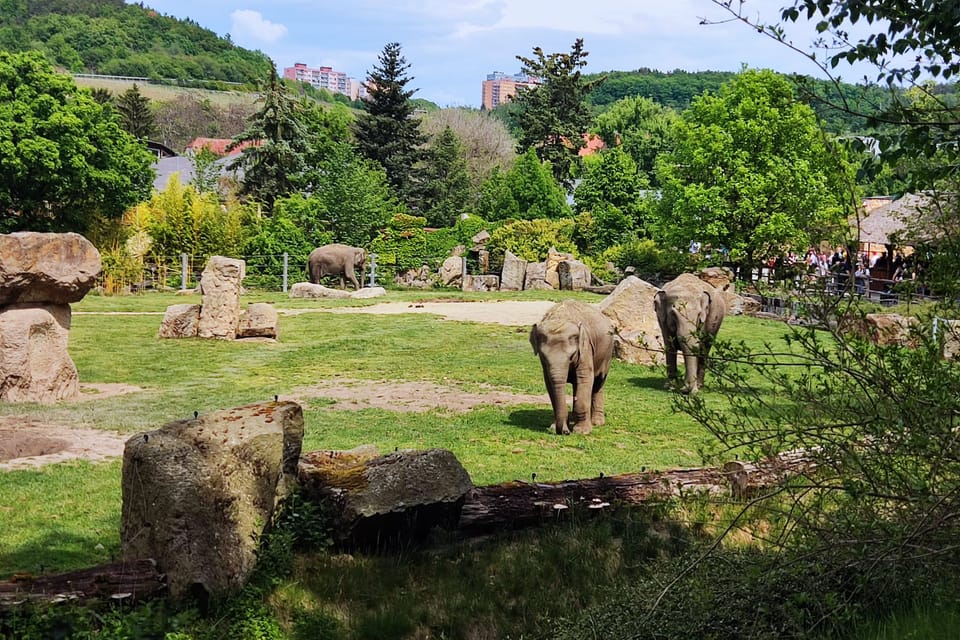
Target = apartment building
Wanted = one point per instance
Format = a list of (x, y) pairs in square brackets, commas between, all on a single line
[(499, 87), (325, 78)]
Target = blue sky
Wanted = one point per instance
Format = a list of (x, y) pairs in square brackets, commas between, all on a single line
[(451, 46)]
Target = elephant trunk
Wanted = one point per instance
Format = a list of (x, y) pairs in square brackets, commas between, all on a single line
[(557, 388)]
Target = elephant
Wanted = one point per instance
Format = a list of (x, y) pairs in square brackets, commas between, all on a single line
[(690, 312), (337, 259), (575, 344)]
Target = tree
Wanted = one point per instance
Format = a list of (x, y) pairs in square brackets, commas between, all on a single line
[(639, 125), (612, 177), (486, 140), (445, 190), (388, 131), (527, 191), (554, 115), (751, 171), (65, 158), (273, 162), (135, 113)]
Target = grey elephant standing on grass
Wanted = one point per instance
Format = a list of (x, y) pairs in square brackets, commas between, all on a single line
[(575, 344), (690, 312), (337, 259)]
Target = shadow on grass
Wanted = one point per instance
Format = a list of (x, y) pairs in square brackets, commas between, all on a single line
[(537, 420), (57, 551), (655, 382)]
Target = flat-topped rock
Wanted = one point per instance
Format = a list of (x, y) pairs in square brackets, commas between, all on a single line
[(55, 268)]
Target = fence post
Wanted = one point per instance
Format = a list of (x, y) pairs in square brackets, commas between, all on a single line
[(183, 272), (286, 259), (373, 270)]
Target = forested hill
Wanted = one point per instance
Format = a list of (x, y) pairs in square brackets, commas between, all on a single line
[(114, 38), (673, 89)]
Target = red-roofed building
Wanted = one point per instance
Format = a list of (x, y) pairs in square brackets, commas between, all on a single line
[(592, 144), (217, 145)]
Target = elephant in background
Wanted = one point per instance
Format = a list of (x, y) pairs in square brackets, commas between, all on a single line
[(575, 344), (690, 312), (337, 259)]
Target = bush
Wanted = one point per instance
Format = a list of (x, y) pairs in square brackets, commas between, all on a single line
[(650, 261), (402, 245), (530, 240)]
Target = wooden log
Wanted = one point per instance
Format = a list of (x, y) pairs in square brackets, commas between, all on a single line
[(130, 581), (519, 504)]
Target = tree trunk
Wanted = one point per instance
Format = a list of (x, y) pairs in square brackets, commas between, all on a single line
[(119, 581)]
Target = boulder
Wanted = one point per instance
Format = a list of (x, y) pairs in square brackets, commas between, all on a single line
[(554, 258), (480, 283), (220, 298), (630, 309), (536, 276), (180, 321), (56, 268), (890, 329), (573, 275), (259, 320), (718, 277), (309, 290), (34, 363), (198, 493), (451, 270), (514, 272), (386, 499), (741, 305), (369, 292), (950, 338)]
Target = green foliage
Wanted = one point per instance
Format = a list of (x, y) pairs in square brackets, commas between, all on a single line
[(135, 114), (611, 179), (272, 236), (66, 161), (651, 262), (119, 38), (206, 173), (444, 191), (553, 116), (402, 245), (530, 240), (641, 127), (274, 161), (527, 191), (751, 171), (388, 131), (602, 228), (672, 89)]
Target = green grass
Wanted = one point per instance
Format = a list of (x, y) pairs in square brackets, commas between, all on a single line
[(56, 516)]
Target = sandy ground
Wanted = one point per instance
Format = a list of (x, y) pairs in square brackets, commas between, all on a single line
[(29, 443)]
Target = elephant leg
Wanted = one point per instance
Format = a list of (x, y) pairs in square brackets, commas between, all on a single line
[(671, 354), (691, 375), (582, 395), (702, 364), (597, 416), (352, 277)]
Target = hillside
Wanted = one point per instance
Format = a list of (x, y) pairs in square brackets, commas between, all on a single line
[(114, 38)]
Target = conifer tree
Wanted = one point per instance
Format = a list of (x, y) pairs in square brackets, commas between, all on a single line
[(135, 114), (388, 131), (273, 163), (445, 190)]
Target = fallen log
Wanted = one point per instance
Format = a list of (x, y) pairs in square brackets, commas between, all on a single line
[(118, 582), (518, 504)]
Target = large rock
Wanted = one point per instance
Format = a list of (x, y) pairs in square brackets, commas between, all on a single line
[(368, 292), (199, 493), (718, 277), (890, 329), (220, 301), (386, 499), (309, 290), (554, 258), (451, 270), (34, 363), (259, 320), (180, 321), (948, 331), (536, 277), (514, 272), (630, 308), (57, 268), (574, 275), (480, 283)]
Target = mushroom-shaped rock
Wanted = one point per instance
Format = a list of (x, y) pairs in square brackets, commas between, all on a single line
[(56, 268)]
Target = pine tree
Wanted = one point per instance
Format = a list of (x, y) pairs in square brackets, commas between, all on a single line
[(273, 163), (135, 114), (388, 131), (445, 190), (554, 115)]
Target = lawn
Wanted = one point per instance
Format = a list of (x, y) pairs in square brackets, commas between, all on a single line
[(66, 516)]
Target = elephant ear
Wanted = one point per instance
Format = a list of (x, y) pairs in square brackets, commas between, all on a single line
[(534, 341), (658, 301)]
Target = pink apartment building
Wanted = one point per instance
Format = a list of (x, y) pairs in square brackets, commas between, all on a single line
[(499, 87), (325, 78)]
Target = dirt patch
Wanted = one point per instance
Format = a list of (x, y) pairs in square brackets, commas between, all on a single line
[(26, 443), (101, 390), (508, 312), (415, 397)]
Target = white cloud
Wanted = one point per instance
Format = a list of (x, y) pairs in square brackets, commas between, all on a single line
[(251, 25)]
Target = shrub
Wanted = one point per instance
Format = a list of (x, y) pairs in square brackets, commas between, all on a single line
[(402, 245), (531, 239)]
